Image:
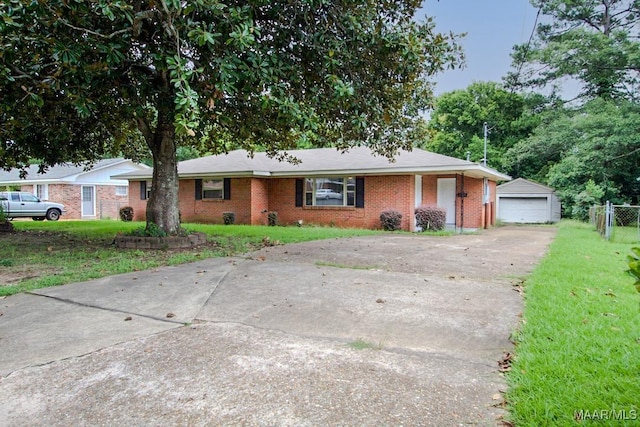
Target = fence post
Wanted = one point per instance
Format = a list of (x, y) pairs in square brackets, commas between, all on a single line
[(608, 220)]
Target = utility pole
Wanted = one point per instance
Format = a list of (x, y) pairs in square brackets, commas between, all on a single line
[(486, 131)]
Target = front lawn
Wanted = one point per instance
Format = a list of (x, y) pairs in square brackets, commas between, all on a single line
[(577, 359), (42, 254)]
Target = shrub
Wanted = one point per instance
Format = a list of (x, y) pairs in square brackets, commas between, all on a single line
[(390, 220), (151, 230), (228, 218), (272, 218), (431, 217), (126, 213)]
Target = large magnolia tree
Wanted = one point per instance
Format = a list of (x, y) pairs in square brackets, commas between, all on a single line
[(80, 79)]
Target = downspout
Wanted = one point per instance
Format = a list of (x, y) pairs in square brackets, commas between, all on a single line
[(462, 195), (485, 202), (462, 205)]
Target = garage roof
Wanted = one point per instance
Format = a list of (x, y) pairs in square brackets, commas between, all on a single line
[(523, 186)]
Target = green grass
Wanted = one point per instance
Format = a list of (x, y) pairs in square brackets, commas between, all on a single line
[(578, 349), (55, 253), (342, 265), (629, 235), (361, 344)]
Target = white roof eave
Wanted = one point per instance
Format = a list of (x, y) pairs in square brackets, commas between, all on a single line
[(472, 170)]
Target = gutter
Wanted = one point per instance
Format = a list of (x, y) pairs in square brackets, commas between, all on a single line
[(473, 170)]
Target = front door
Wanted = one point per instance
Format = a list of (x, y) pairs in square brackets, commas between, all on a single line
[(447, 198), (88, 201)]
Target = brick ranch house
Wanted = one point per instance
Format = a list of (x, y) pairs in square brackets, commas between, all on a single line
[(328, 187), (87, 192)]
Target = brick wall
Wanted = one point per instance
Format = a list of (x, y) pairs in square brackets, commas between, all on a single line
[(252, 198), (107, 204), (210, 211), (470, 212), (259, 201), (139, 206), (380, 193)]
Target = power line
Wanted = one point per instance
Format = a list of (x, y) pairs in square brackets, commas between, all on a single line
[(528, 45)]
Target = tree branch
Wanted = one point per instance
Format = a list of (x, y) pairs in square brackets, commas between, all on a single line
[(143, 126), (85, 30)]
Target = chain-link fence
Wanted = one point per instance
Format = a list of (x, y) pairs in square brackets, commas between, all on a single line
[(110, 209), (619, 223)]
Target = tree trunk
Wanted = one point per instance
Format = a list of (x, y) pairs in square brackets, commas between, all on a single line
[(162, 206)]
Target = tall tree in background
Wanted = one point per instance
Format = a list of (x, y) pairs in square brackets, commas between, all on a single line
[(586, 151), (594, 42), (457, 121), (83, 78)]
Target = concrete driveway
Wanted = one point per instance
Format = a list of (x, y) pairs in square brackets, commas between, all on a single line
[(384, 330)]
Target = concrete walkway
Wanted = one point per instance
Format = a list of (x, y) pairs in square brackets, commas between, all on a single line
[(389, 330)]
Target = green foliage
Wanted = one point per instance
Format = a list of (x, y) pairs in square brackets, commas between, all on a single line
[(634, 266), (457, 121), (431, 218), (121, 75), (591, 195), (594, 43), (3, 215), (589, 154), (126, 213), (151, 230), (390, 220), (272, 218), (228, 218)]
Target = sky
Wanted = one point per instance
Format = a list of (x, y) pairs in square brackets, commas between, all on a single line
[(493, 27)]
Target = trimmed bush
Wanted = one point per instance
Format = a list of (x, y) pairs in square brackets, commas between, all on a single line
[(390, 220), (228, 218), (430, 218), (126, 213), (272, 218)]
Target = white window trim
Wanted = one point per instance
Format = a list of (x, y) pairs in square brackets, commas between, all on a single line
[(204, 182), (45, 193), (126, 190), (94, 193), (345, 194)]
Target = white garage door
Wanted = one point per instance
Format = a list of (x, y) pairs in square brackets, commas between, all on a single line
[(523, 209)]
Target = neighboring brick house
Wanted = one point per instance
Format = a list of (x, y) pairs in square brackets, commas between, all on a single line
[(86, 192), (328, 187)]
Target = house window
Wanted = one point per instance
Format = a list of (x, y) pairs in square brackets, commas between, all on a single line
[(213, 189), (330, 191), (41, 191), (145, 190), (122, 190)]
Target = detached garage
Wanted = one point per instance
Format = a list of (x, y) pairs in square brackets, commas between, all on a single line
[(524, 201)]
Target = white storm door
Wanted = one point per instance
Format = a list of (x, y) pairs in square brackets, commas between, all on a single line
[(88, 200), (447, 198), (418, 196)]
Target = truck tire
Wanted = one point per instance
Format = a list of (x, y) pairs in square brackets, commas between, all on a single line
[(53, 214)]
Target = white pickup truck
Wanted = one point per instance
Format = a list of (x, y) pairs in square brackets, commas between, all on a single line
[(17, 204)]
